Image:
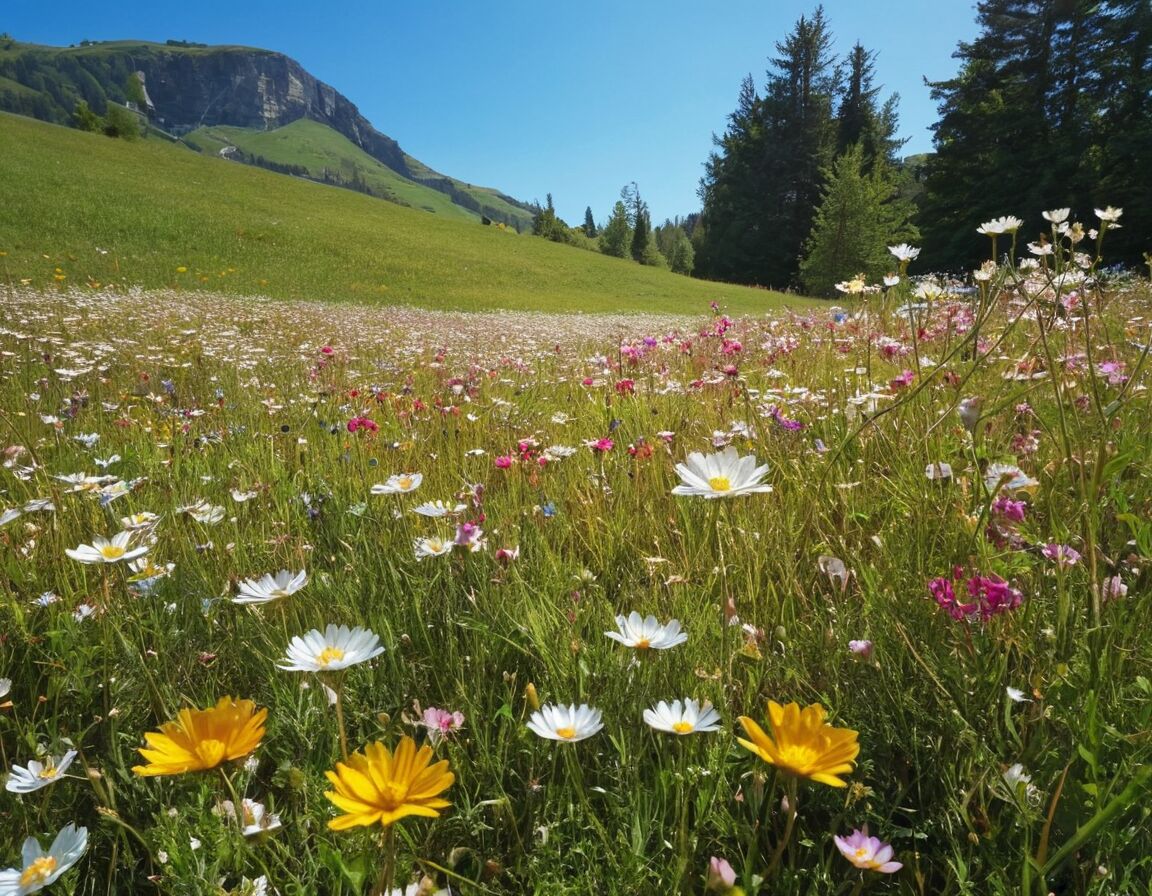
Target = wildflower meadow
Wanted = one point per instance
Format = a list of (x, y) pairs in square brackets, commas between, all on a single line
[(299, 598)]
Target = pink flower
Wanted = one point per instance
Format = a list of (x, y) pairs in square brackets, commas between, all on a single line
[(862, 649), (503, 462), (508, 556), (601, 446), (721, 876), (440, 723), (1061, 554), (471, 536), (870, 853)]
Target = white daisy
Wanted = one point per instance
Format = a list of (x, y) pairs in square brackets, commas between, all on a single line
[(269, 587), (688, 718), (399, 484), (38, 774), (338, 647), (104, 551), (644, 633), (257, 819), (1007, 476), (39, 868), (565, 723), (142, 520), (432, 547), (721, 475), (436, 509), (1005, 224)]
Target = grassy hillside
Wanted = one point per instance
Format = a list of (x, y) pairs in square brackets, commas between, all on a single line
[(80, 208), (47, 83), (319, 149)]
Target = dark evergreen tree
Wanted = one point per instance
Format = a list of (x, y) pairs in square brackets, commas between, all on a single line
[(859, 216), (1050, 108), (762, 185), (589, 224), (859, 120)]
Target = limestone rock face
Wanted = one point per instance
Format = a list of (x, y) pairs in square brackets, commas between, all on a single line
[(253, 88)]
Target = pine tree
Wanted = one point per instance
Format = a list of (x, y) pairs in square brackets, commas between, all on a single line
[(589, 224), (858, 218), (761, 187), (1051, 107), (616, 237)]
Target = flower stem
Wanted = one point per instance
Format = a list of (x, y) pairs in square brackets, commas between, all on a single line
[(790, 787), (338, 690), (388, 869)]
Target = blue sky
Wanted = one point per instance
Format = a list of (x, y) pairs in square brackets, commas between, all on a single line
[(572, 99)]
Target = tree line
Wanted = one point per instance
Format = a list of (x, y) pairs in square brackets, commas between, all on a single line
[(1051, 107)]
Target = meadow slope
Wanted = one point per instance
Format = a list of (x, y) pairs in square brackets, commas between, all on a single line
[(83, 209)]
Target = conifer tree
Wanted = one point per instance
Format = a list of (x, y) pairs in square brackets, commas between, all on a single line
[(859, 216)]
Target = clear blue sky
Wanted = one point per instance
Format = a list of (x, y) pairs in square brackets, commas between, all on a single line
[(573, 99)]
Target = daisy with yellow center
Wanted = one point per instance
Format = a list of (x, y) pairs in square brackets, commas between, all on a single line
[(381, 787), (688, 717), (646, 633), (802, 744), (38, 868), (565, 723), (201, 739), (336, 648), (399, 484), (724, 474), (36, 774), (103, 550)]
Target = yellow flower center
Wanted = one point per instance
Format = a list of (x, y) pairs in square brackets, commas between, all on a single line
[(405, 483), (393, 795), (48, 772), (643, 643), (799, 758), (210, 752), (112, 552), (862, 852), (329, 655), (566, 733), (682, 727), (38, 872), (720, 484)]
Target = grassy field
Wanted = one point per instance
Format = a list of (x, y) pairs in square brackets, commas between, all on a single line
[(80, 208), (948, 550), (317, 148)]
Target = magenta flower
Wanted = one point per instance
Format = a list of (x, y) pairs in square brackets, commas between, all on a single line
[(503, 462), (1009, 510), (990, 596), (870, 853)]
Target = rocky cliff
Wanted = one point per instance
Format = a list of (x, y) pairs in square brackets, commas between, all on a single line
[(252, 88)]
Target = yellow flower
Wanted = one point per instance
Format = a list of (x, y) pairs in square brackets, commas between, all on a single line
[(802, 744), (201, 739), (377, 786)]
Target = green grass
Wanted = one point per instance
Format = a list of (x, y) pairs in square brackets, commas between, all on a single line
[(317, 148), (133, 214)]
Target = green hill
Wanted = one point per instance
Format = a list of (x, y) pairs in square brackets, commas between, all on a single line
[(238, 96), (325, 155), (81, 208)]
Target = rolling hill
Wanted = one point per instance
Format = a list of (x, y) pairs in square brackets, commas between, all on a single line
[(81, 210), (185, 87)]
